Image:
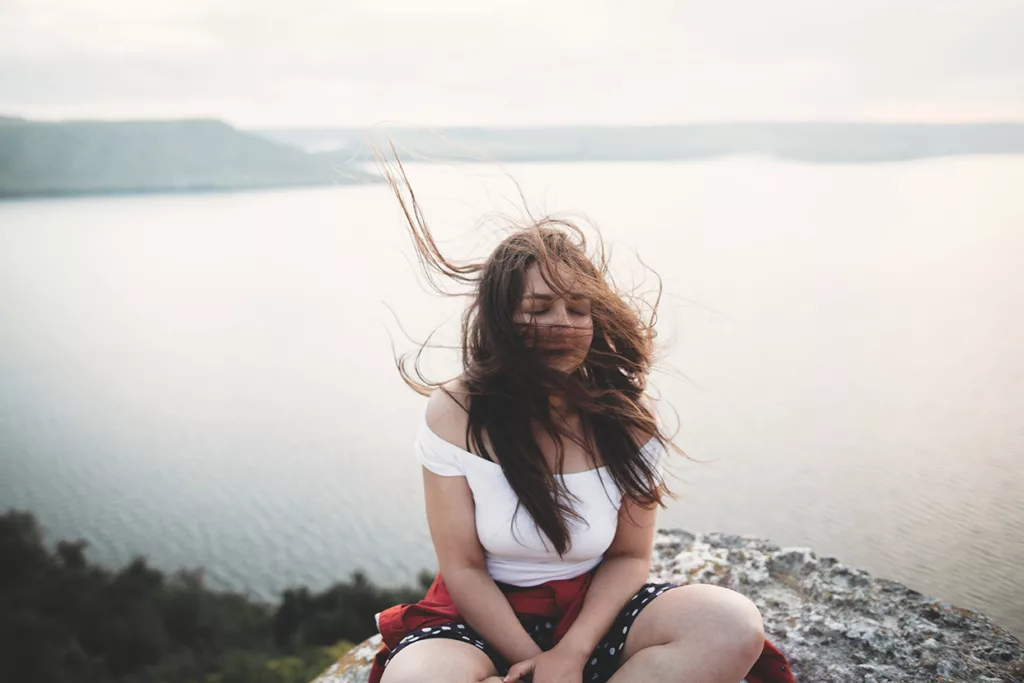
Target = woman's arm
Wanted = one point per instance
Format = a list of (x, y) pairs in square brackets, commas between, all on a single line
[(461, 560), (450, 515), (622, 573)]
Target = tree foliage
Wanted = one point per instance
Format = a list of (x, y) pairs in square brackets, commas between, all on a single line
[(64, 620)]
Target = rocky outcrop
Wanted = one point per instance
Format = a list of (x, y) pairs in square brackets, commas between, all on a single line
[(833, 622)]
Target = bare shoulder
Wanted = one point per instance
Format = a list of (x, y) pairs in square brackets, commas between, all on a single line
[(642, 436), (448, 412)]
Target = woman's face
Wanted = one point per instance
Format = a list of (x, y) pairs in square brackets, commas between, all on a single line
[(564, 325)]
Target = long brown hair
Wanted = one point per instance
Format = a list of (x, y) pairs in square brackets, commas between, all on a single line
[(507, 381)]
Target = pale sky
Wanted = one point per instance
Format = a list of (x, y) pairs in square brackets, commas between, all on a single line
[(527, 62)]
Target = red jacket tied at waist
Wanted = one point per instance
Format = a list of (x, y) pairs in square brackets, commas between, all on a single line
[(559, 601)]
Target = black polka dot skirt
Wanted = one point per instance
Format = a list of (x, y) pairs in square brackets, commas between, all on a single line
[(603, 662)]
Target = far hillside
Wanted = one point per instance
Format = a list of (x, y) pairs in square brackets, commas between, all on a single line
[(811, 142), (99, 157)]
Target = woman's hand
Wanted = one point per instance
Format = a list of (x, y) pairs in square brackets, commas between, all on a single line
[(557, 665)]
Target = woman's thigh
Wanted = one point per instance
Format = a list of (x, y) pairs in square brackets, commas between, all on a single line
[(438, 659), (698, 614)]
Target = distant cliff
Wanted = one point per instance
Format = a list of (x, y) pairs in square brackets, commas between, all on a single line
[(98, 157), (834, 623), (813, 142)]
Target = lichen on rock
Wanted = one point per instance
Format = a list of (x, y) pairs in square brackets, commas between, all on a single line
[(833, 622)]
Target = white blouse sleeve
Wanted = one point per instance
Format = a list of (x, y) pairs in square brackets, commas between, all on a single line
[(437, 455)]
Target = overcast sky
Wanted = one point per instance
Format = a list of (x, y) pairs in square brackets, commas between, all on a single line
[(337, 62)]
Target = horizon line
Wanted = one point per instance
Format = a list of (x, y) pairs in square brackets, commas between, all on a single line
[(392, 124)]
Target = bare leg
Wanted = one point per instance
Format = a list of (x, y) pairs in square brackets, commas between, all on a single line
[(439, 660), (693, 634)]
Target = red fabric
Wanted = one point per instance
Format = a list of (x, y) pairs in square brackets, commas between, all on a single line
[(770, 667), (561, 600)]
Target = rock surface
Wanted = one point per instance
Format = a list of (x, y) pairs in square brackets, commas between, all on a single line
[(833, 622)]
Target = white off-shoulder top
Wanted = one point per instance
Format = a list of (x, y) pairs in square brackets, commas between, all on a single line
[(527, 557)]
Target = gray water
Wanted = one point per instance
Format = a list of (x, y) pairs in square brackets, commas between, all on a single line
[(208, 380)]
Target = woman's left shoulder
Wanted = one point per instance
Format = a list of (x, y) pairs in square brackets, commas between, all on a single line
[(642, 434), (648, 438)]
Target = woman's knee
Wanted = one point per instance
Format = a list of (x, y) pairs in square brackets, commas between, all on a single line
[(735, 620), (749, 629), (717, 617), (439, 660)]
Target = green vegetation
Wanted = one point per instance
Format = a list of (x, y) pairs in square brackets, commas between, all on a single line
[(98, 157), (63, 620)]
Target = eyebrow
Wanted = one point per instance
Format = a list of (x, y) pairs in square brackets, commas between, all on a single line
[(551, 297)]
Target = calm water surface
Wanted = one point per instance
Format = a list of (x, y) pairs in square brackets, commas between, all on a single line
[(207, 380)]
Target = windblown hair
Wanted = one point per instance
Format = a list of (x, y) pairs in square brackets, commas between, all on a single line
[(508, 383)]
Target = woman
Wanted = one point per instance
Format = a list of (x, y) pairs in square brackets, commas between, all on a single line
[(542, 475)]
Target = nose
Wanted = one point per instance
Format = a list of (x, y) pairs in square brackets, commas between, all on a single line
[(563, 316)]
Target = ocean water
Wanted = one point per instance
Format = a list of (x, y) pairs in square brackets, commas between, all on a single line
[(208, 380)]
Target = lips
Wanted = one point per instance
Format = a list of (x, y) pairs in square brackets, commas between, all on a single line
[(563, 343), (559, 342), (560, 349)]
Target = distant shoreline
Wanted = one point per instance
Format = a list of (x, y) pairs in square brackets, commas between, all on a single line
[(41, 160), (97, 158), (164, 191), (809, 142)]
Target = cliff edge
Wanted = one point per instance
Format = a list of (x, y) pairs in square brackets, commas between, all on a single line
[(833, 622)]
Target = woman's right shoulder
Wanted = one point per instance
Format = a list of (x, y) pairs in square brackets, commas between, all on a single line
[(448, 412)]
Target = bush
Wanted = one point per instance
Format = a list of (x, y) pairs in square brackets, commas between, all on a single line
[(65, 621)]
